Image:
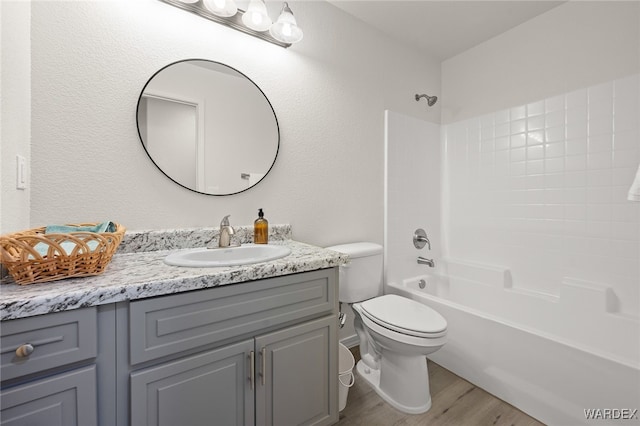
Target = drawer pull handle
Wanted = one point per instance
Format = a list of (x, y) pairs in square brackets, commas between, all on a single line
[(24, 351)]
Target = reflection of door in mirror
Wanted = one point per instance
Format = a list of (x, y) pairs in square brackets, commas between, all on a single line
[(170, 134)]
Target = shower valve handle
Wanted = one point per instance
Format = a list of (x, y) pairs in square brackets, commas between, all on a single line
[(420, 239)]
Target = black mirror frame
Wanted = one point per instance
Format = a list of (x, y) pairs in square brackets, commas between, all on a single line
[(242, 74)]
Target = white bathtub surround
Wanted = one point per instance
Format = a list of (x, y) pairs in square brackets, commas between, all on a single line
[(537, 179), (511, 347), (540, 248), (634, 191), (551, 378), (412, 194), (542, 188), (582, 316)]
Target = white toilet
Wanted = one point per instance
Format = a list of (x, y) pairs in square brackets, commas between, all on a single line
[(395, 333)]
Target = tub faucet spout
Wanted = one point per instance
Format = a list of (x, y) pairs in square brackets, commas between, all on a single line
[(429, 262)]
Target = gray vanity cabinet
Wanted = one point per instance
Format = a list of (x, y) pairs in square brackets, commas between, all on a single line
[(258, 353), (296, 376), (281, 378), (262, 352), (48, 370), (204, 389)]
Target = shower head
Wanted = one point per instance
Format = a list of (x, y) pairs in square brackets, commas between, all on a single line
[(431, 100)]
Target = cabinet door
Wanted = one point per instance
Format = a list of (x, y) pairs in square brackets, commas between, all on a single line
[(66, 399), (211, 388), (297, 375)]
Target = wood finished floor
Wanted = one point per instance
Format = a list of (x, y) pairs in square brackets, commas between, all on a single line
[(456, 402)]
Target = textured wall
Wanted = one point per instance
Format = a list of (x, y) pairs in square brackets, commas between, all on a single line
[(15, 115), (575, 45), (91, 59)]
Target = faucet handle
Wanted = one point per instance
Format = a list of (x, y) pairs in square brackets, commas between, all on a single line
[(225, 221), (420, 239)]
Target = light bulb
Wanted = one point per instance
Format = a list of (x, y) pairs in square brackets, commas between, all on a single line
[(224, 8), (286, 28), (256, 16)]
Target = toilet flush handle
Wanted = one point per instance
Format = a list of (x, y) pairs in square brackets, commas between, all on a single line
[(342, 317)]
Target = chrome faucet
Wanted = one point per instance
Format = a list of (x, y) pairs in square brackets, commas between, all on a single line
[(226, 231), (429, 262), (420, 239)]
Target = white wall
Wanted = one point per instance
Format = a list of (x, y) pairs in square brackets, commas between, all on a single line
[(575, 45), (91, 59), (15, 114), (539, 168)]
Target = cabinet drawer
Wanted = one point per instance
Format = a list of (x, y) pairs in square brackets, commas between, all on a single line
[(66, 399), (167, 325), (57, 339)]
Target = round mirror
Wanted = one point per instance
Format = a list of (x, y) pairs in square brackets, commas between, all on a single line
[(208, 127)]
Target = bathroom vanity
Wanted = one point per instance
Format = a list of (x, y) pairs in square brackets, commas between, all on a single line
[(148, 343)]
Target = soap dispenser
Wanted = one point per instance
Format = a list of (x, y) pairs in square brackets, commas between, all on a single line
[(260, 229)]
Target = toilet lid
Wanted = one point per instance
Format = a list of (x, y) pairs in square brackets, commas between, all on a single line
[(404, 315)]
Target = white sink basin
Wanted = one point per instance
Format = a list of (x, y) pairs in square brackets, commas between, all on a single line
[(232, 256)]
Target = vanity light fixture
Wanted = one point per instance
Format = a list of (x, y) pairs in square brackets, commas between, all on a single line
[(256, 16), (286, 28), (223, 8), (254, 21)]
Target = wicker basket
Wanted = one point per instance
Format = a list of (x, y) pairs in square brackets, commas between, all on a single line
[(90, 254)]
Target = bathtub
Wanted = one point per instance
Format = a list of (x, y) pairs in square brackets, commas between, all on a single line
[(547, 355)]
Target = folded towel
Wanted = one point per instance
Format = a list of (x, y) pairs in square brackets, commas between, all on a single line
[(65, 229), (69, 246), (634, 191)]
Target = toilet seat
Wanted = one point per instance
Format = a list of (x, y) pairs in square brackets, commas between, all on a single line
[(404, 316)]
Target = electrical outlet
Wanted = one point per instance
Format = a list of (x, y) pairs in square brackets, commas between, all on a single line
[(21, 172)]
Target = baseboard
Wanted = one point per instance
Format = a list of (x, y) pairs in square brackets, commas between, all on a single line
[(350, 341)]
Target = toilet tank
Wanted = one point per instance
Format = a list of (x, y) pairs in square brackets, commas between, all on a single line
[(361, 278)]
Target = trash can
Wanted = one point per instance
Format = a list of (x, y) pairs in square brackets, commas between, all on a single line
[(346, 362)]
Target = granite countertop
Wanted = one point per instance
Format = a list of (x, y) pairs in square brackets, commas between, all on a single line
[(137, 273)]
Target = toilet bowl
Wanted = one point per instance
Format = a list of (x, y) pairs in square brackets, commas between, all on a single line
[(394, 360), (395, 333)]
